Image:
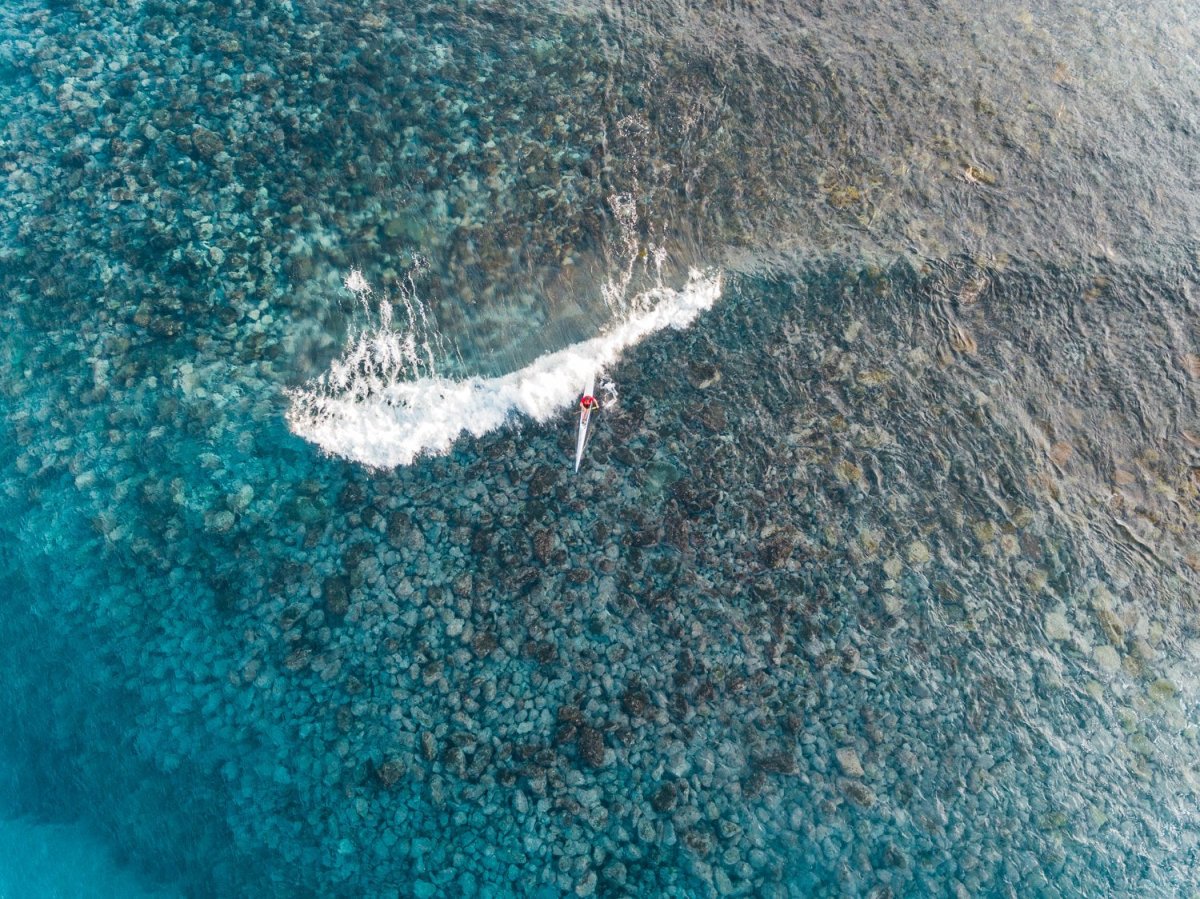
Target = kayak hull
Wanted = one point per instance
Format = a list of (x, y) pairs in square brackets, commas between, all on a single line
[(585, 417), (581, 440)]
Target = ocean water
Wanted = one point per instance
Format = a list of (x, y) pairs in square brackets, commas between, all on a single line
[(881, 573)]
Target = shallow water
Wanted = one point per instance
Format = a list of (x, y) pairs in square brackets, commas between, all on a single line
[(880, 575)]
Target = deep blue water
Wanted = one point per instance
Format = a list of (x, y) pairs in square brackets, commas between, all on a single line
[(879, 579)]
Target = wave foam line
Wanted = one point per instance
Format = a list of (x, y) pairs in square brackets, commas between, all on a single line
[(395, 419)]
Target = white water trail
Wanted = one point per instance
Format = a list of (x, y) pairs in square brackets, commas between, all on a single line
[(382, 404)]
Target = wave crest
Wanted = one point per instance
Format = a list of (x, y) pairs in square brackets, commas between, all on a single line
[(382, 404)]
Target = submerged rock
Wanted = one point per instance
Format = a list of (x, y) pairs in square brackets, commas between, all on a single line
[(664, 798), (776, 763), (336, 594), (1107, 658), (777, 548), (390, 772), (847, 759), (590, 743), (1056, 625), (635, 702), (207, 143), (703, 375), (859, 793), (543, 480), (543, 545), (219, 522)]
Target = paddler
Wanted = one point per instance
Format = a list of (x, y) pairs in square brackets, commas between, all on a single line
[(589, 403)]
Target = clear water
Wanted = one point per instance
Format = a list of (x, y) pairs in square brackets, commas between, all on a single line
[(880, 577)]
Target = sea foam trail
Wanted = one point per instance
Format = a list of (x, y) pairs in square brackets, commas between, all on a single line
[(381, 405)]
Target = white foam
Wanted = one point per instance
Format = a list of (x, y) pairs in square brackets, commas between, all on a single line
[(381, 405)]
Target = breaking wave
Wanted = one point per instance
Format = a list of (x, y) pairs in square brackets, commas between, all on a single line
[(383, 404)]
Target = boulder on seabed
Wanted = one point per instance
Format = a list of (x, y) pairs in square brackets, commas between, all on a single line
[(590, 743), (849, 762)]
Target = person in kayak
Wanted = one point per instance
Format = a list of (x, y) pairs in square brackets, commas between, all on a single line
[(589, 403)]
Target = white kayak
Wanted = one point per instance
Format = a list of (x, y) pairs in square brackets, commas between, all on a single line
[(585, 417)]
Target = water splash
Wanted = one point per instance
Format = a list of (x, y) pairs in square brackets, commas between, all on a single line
[(383, 403), (387, 351)]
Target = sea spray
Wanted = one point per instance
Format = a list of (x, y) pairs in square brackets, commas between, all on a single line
[(386, 352), (383, 403)]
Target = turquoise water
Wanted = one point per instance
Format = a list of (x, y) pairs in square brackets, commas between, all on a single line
[(880, 574)]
